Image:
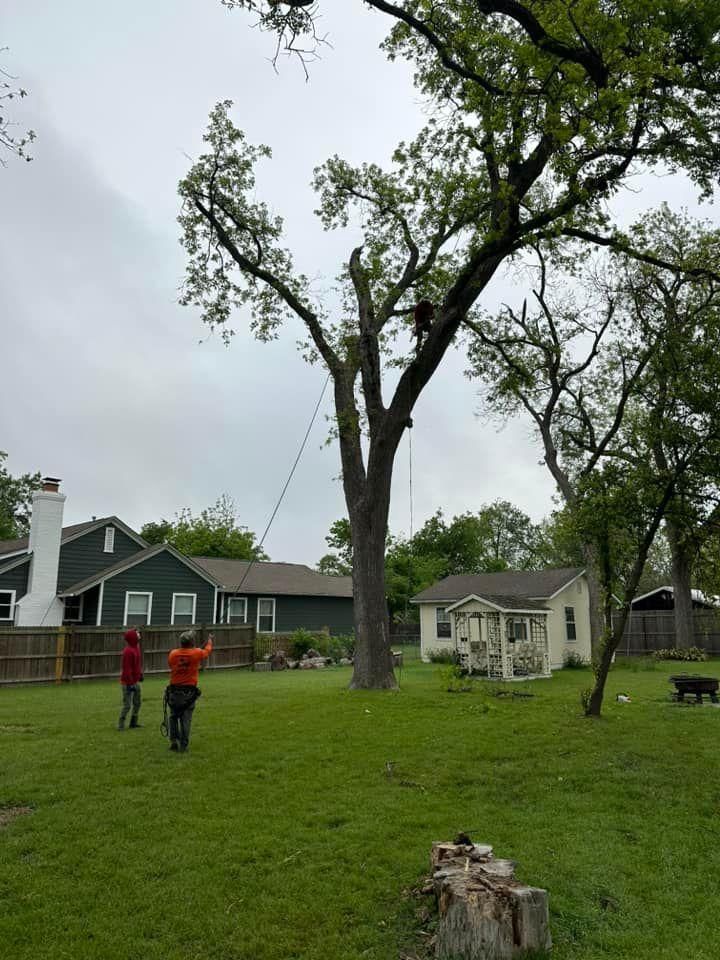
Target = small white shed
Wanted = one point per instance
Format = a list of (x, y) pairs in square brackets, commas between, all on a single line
[(502, 638)]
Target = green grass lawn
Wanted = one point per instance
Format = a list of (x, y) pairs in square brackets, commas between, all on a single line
[(279, 835)]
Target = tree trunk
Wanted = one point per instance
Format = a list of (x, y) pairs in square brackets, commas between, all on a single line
[(602, 664), (682, 589), (595, 600), (373, 668)]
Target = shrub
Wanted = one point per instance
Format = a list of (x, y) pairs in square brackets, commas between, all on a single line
[(442, 656), (302, 641), (585, 699), (674, 653), (341, 646), (456, 680), (572, 660)]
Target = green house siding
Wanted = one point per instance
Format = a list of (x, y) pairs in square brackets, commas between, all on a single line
[(16, 579), (81, 558), (162, 575), (308, 613)]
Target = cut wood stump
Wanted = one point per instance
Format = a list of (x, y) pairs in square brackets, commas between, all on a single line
[(485, 913)]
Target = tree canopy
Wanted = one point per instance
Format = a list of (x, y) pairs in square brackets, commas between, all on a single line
[(541, 111), (15, 501), (214, 532)]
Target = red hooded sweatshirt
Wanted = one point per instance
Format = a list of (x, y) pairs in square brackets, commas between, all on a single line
[(131, 659)]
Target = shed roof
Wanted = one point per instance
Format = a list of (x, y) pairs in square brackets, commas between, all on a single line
[(503, 603), (291, 579), (538, 584)]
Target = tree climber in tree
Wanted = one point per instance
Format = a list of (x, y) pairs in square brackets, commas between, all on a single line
[(424, 316)]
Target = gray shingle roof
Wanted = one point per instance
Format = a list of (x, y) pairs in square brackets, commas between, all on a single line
[(539, 584), (512, 603), (290, 579), (14, 546)]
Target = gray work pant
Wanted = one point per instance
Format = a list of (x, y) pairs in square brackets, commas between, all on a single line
[(180, 726), (130, 698)]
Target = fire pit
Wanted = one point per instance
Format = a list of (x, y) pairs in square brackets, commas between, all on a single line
[(691, 683)]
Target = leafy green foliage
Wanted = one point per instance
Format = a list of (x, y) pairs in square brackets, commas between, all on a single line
[(690, 654), (301, 641), (573, 661), (10, 141), (15, 501), (214, 532)]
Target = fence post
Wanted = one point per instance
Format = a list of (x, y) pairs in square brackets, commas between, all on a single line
[(60, 654)]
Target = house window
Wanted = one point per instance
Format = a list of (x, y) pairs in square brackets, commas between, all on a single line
[(236, 610), (138, 607), (570, 623), (7, 605), (516, 630), (183, 608), (73, 609), (266, 615), (442, 623), (109, 540)]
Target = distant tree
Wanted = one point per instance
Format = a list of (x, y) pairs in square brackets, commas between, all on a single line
[(15, 501), (213, 533)]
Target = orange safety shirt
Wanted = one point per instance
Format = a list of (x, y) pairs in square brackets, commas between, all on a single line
[(185, 663)]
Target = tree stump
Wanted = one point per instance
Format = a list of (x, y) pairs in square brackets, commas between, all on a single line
[(485, 913)]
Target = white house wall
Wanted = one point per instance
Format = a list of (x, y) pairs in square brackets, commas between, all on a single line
[(429, 640), (575, 595)]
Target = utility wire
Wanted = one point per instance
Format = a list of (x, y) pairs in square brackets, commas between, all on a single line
[(287, 484)]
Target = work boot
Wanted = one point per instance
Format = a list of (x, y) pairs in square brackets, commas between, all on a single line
[(174, 745), (134, 723)]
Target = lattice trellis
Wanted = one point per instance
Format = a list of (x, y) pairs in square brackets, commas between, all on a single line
[(495, 655)]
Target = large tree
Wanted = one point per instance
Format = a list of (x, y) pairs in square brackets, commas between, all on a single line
[(622, 388), (214, 532), (15, 501), (541, 111)]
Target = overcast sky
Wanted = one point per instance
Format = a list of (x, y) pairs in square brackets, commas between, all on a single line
[(107, 381)]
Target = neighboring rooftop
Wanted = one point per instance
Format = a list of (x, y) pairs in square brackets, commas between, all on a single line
[(537, 584), (292, 579), (16, 546)]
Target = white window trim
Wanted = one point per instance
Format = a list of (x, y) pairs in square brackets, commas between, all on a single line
[(257, 619), (245, 609), (13, 596), (138, 593), (574, 623), (80, 612), (194, 606), (109, 540), (438, 622)]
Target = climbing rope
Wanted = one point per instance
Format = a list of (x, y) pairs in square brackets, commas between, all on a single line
[(287, 484)]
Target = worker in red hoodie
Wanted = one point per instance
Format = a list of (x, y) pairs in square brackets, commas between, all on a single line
[(130, 678)]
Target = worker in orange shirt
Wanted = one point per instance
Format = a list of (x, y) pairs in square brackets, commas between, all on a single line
[(183, 691)]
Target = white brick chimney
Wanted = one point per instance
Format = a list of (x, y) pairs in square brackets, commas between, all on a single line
[(40, 605)]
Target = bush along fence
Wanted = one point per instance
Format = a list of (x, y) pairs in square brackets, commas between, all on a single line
[(42, 655), (650, 630)]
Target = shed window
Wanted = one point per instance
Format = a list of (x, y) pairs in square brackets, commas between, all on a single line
[(266, 615), (236, 610), (442, 622), (109, 540), (138, 607), (7, 605), (183, 608), (570, 623), (73, 609), (517, 630)]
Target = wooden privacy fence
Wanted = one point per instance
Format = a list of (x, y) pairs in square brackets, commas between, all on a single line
[(37, 655), (650, 630)]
